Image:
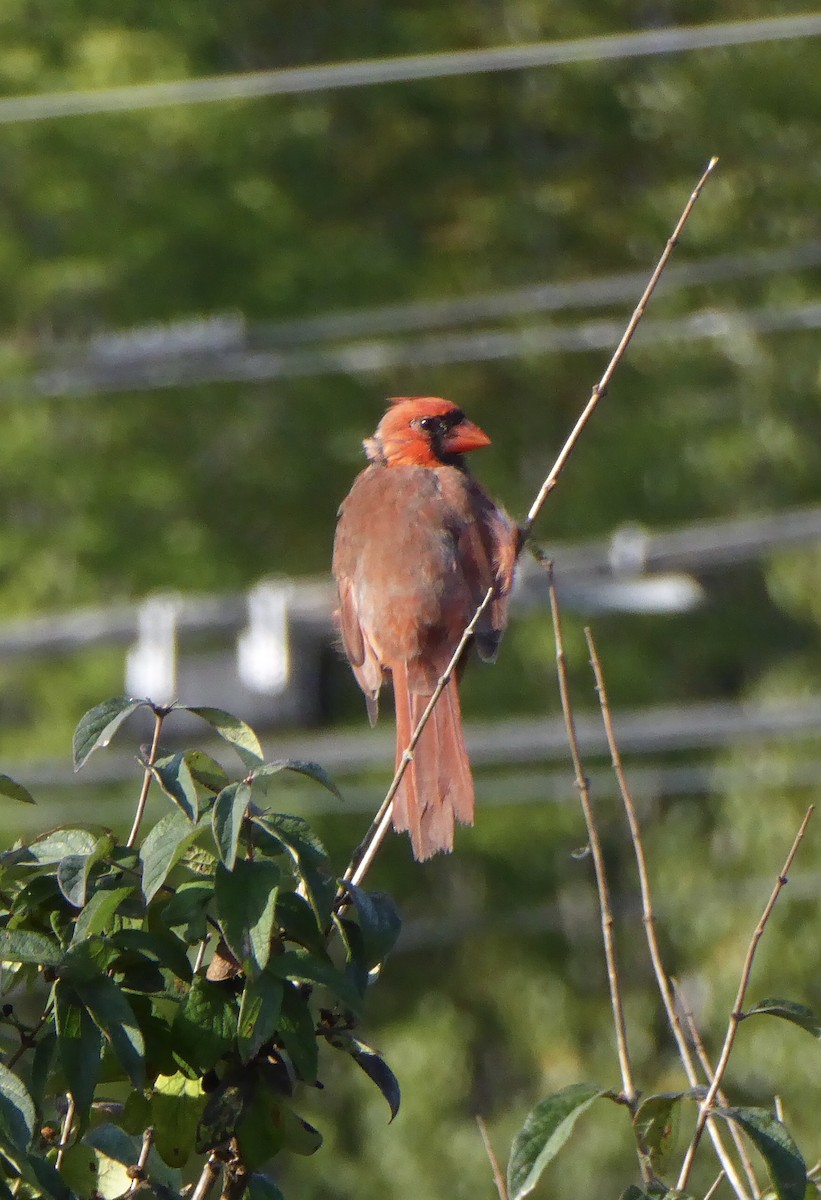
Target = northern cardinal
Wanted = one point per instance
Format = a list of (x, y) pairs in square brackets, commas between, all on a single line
[(417, 546)]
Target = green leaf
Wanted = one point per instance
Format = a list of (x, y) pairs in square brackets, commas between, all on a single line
[(17, 1114), (45, 1177), (60, 842), (371, 1062), (655, 1125), (163, 848), (787, 1169), (113, 1014), (24, 946), (308, 855), (42, 1064), (227, 816), (15, 791), (258, 1133), (787, 1010), (259, 1012), (79, 1044), (379, 922), (206, 771), (235, 731), (375, 1067), (136, 1114), (97, 915), (204, 1026), (298, 921), (246, 905), (80, 1170), (186, 910), (162, 949), (87, 960), (98, 726), (297, 1030), (223, 1110), (261, 777), (260, 1187), (297, 1135), (177, 1105), (116, 1153), (547, 1128), (306, 967), (73, 870), (174, 777)]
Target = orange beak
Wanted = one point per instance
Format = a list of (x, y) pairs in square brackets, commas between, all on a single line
[(465, 436)]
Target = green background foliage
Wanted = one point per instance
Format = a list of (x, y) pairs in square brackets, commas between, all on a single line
[(291, 207)]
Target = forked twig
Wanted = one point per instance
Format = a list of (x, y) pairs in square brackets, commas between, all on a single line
[(498, 1177), (707, 1067), (605, 908), (366, 851), (662, 980), (159, 717), (737, 1014)]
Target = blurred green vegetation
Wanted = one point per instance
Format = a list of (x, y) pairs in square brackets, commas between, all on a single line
[(296, 206)]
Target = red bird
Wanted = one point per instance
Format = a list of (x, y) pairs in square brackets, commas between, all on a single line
[(417, 546)]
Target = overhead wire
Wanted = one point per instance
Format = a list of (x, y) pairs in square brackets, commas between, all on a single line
[(375, 356), (406, 68), (547, 296)]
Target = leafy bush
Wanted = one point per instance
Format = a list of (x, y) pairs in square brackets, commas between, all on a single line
[(181, 984)]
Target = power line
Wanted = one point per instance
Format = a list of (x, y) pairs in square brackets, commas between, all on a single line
[(653, 730), (490, 306), (580, 569), (200, 339), (374, 356), (335, 76)]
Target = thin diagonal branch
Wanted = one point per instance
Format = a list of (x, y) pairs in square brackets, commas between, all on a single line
[(367, 849), (208, 1177), (715, 1186), (737, 1011), (605, 907), (159, 716), (498, 1177), (662, 980), (65, 1132), (601, 387), (707, 1067)]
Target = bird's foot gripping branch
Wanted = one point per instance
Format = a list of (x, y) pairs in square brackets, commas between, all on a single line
[(170, 998)]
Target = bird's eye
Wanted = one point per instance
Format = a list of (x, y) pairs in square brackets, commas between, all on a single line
[(429, 424)]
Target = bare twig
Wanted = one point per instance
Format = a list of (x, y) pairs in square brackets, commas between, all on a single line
[(662, 980), (159, 716), (601, 387), (703, 1057), (208, 1177), (65, 1132), (366, 851), (197, 967), (142, 1161), (737, 1011), (708, 1195), (596, 850), (498, 1177)]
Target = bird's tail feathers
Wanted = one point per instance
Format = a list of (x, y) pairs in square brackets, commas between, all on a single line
[(437, 788)]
